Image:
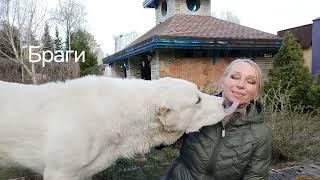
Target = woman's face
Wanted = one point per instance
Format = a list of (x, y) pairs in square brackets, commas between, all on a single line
[(241, 83)]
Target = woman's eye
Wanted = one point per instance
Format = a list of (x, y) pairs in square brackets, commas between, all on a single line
[(235, 77), (199, 100), (251, 82)]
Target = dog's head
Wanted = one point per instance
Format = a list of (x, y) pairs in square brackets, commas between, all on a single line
[(182, 107)]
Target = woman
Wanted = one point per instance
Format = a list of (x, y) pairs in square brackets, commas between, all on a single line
[(237, 148)]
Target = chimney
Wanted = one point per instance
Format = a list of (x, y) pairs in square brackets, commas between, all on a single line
[(316, 47)]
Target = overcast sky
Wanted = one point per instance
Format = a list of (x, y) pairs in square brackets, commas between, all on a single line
[(105, 19)]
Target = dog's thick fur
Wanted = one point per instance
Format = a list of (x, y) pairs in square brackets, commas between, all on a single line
[(72, 130)]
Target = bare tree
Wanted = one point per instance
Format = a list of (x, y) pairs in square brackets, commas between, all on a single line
[(19, 24), (70, 14), (229, 16), (95, 47)]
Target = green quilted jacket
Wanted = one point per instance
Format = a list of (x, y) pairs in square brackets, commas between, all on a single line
[(239, 150)]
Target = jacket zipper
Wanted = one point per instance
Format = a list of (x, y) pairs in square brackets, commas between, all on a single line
[(213, 159), (223, 133)]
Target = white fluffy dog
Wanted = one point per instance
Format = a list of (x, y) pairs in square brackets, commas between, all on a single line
[(72, 130)]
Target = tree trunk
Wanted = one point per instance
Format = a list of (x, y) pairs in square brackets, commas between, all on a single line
[(34, 77), (22, 74), (68, 34), (31, 74)]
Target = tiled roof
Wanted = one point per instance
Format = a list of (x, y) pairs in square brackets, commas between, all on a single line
[(302, 33), (190, 31), (204, 27)]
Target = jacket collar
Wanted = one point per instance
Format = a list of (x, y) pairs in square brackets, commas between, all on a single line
[(254, 115)]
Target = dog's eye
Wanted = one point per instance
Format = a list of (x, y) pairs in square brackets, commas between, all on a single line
[(199, 100)]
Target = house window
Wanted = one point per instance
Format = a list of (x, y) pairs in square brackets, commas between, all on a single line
[(164, 8), (193, 5)]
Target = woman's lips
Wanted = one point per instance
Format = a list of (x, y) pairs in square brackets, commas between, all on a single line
[(237, 94)]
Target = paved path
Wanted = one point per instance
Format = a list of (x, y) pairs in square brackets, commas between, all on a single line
[(307, 172)]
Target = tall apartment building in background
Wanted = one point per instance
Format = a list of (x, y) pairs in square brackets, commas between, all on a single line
[(124, 39)]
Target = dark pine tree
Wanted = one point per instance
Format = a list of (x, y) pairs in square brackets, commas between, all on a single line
[(47, 42), (79, 43), (289, 71), (57, 41)]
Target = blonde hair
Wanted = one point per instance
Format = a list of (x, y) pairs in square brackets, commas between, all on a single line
[(255, 67)]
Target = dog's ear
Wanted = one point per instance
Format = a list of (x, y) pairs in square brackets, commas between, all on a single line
[(162, 114)]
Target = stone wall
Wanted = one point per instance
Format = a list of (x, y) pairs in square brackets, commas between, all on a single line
[(117, 70), (175, 7), (155, 66), (170, 11), (134, 69), (202, 70), (265, 64), (204, 10), (197, 70)]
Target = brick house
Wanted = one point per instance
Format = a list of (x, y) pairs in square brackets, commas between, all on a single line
[(188, 43), (309, 38)]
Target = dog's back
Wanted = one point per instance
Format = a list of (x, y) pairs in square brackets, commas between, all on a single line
[(26, 110)]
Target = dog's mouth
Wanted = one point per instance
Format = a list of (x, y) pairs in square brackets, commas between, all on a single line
[(230, 108)]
